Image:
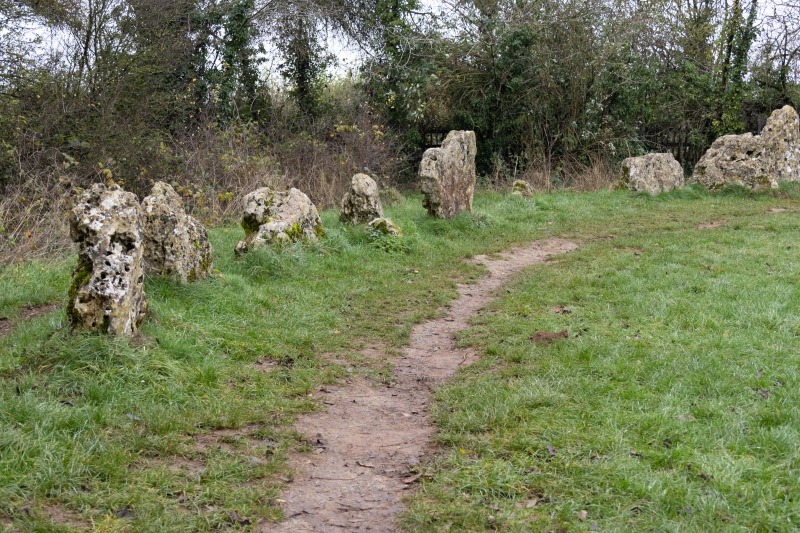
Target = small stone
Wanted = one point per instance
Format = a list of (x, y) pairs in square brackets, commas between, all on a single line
[(362, 202), (447, 175), (107, 290), (391, 196), (652, 173), (522, 188), (384, 226), (754, 161), (175, 243), (276, 218)]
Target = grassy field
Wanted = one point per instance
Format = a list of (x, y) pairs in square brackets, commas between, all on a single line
[(672, 405)]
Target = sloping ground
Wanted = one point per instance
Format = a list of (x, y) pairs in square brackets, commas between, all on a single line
[(372, 437)]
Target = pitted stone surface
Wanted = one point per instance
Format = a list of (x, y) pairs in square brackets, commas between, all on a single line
[(362, 202), (447, 175), (652, 173), (175, 243), (754, 161), (107, 291), (272, 217)]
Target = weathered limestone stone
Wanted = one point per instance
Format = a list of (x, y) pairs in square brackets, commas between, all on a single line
[(391, 196), (447, 175), (781, 140), (107, 291), (522, 188), (754, 161), (384, 226), (272, 217), (175, 243), (652, 173), (362, 202)]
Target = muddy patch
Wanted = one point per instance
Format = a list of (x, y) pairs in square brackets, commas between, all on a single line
[(65, 517), (547, 337), (368, 443), (177, 464), (714, 224), (26, 312), (266, 365)]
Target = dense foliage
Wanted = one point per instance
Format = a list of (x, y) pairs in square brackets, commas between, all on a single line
[(215, 95)]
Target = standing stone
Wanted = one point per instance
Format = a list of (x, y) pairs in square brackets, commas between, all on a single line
[(385, 227), (272, 217), (754, 161), (447, 175), (175, 243), (362, 202), (652, 173), (522, 188), (781, 139), (107, 291)]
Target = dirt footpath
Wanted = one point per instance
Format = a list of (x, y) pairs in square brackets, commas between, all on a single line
[(371, 436)]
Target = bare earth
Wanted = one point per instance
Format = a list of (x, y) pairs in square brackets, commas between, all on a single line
[(371, 437)]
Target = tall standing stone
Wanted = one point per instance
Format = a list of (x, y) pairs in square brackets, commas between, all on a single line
[(107, 290), (781, 139), (362, 202), (447, 175), (754, 161), (175, 243), (272, 217), (652, 173)]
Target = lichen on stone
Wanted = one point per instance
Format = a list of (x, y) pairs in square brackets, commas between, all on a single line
[(107, 291), (278, 218), (652, 173), (176, 244), (384, 227), (754, 161), (362, 202), (447, 175)]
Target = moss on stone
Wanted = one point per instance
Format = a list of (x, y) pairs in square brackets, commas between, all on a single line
[(295, 233), (80, 277)]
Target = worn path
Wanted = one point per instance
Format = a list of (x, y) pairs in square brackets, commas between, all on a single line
[(371, 436)]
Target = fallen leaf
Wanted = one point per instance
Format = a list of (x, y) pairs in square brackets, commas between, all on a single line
[(412, 479), (551, 450), (365, 465), (582, 514), (634, 453)]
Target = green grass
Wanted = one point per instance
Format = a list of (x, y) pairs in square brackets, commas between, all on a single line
[(97, 427), (674, 405), (179, 429)]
